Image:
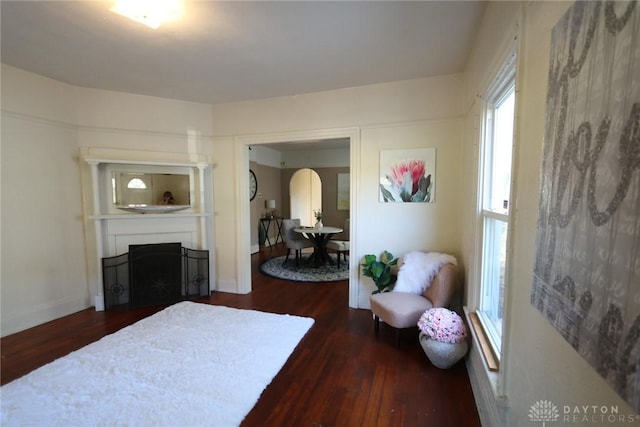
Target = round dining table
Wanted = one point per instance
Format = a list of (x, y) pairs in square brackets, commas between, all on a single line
[(319, 237)]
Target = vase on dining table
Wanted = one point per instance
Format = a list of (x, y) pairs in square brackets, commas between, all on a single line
[(318, 224)]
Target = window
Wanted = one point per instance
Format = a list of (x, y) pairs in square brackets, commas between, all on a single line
[(136, 183), (494, 201)]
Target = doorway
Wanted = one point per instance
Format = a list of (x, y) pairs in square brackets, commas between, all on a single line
[(242, 223)]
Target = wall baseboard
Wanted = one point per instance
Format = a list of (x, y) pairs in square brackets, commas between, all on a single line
[(230, 286), (43, 313)]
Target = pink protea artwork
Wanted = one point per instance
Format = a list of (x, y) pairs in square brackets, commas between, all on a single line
[(409, 179), (413, 167)]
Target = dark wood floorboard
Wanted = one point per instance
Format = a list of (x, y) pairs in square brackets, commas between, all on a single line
[(340, 374)]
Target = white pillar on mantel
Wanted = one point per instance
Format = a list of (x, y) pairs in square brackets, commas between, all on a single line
[(98, 300), (203, 207)]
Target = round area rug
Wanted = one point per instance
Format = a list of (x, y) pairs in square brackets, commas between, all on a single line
[(304, 273)]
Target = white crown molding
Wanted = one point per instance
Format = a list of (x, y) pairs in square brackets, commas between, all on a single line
[(100, 129)]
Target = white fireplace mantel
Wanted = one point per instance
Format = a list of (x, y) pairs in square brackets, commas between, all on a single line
[(114, 230)]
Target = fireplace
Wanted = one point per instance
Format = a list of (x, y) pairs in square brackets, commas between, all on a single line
[(153, 274)]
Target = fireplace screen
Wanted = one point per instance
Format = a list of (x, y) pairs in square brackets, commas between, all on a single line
[(154, 274)]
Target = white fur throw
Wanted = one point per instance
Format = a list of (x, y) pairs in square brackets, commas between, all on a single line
[(418, 270)]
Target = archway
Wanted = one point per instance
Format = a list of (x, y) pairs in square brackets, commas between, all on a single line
[(305, 195)]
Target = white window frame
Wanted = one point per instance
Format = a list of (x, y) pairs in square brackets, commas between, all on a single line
[(502, 85)]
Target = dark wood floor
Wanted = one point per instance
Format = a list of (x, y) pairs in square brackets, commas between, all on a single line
[(339, 375)]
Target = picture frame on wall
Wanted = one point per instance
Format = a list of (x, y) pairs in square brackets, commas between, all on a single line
[(343, 192), (407, 176)]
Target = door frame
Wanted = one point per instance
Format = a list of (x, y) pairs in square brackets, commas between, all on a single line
[(243, 226)]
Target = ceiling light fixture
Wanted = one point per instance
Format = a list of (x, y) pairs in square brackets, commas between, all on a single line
[(151, 13)]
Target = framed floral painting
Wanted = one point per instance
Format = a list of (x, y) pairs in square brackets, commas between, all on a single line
[(407, 175), (343, 192)]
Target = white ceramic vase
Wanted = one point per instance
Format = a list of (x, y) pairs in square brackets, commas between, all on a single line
[(318, 224), (443, 354)]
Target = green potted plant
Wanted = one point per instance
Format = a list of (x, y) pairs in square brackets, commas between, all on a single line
[(380, 270)]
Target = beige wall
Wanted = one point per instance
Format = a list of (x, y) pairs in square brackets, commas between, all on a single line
[(395, 102), (537, 363), (46, 273)]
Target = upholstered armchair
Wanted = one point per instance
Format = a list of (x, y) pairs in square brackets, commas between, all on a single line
[(293, 240), (341, 246), (403, 309)]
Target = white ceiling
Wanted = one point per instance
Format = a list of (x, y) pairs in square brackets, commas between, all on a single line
[(234, 51)]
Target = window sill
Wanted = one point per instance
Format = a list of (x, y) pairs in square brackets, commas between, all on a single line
[(491, 361)]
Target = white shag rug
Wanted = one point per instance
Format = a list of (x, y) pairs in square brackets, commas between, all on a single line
[(188, 365)]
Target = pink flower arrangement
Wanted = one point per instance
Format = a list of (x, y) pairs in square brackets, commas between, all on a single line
[(443, 325), (415, 168)]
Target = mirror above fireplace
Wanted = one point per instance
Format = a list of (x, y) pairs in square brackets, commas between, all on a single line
[(146, 188), (150, 188)]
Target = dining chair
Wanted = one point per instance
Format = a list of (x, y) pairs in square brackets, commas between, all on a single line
[(341, 246), (294, 240)]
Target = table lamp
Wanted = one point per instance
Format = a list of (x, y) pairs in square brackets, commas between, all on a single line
[(270, 205)]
